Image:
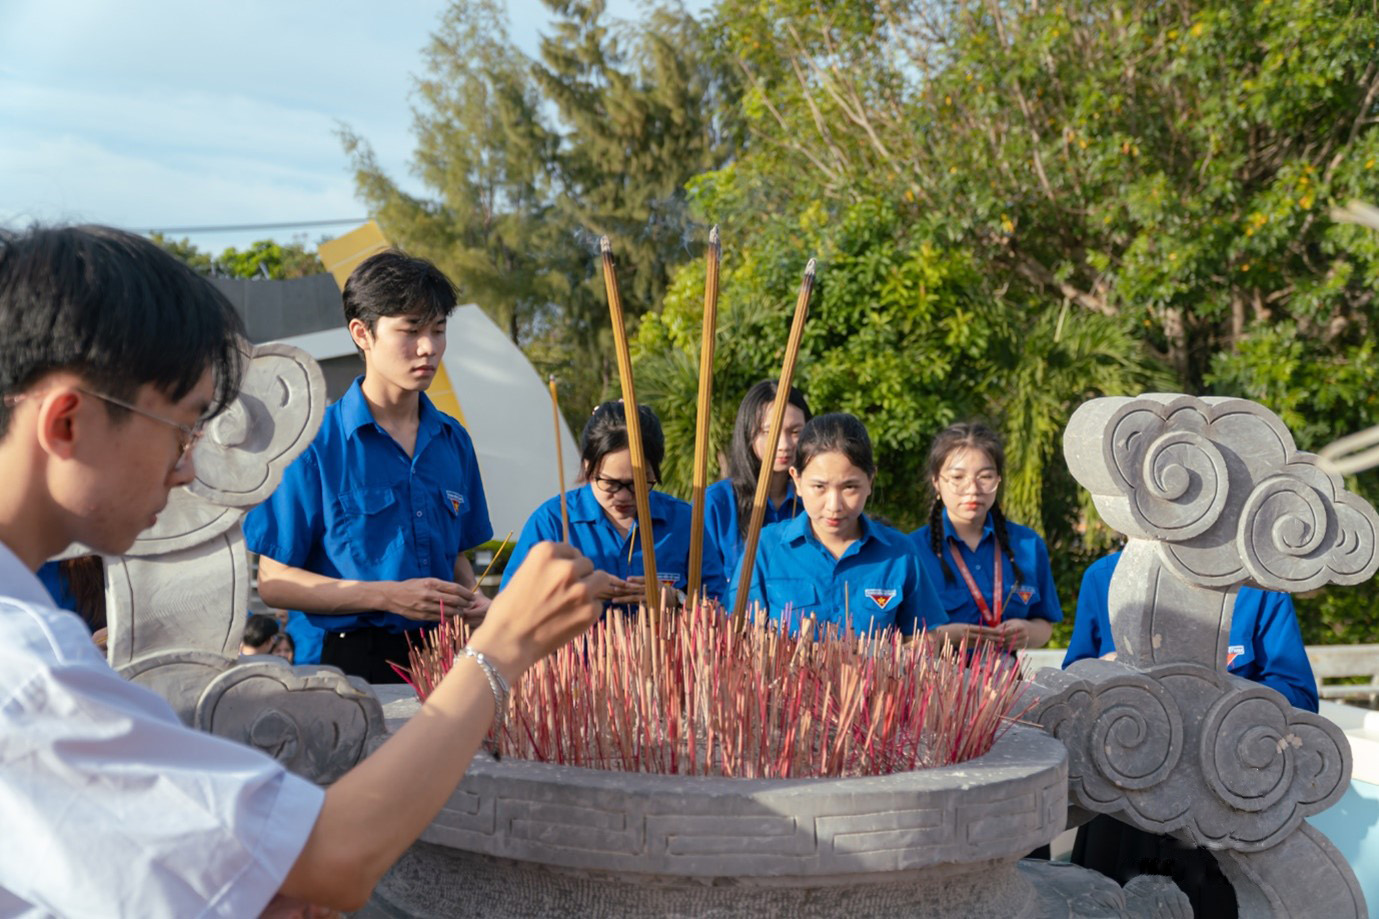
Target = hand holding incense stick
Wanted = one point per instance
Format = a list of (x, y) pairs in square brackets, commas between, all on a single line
[(768, 453), (631, 411), (560, 464), (702, 416)]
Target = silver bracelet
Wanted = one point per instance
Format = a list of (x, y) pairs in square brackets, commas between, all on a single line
[(500, 688)]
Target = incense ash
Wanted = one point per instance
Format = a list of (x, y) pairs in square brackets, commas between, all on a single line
[(701, 697)]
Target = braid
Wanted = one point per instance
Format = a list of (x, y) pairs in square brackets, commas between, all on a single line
[(936, 538), (998, 523)]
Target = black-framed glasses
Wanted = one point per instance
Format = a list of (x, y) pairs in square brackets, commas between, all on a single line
[(187, 434), (612, 486)]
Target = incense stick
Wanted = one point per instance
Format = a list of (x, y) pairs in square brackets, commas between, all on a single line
[(768, 453), (631, 411), (496, 555), (702, 416), (559, 463)]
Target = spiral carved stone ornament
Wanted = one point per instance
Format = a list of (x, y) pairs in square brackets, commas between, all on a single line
[(1220, 485), (1183, 748)]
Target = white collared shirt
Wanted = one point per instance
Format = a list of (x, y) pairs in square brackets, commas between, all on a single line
[(109, 805)]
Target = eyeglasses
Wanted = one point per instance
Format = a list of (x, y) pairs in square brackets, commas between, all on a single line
[(985, 481), (613, 486), (187, 434)]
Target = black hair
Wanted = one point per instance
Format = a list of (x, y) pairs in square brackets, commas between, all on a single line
[(259, 630), (743, 463), (606, 432), (972, 435), (393, 283), (116, 310), (835, 432)]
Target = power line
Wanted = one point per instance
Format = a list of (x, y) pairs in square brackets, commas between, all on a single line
[(239, 227)]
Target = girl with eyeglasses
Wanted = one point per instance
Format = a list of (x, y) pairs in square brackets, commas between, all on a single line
[(832, 563), (603, 513), (992, 575), (728, 502)]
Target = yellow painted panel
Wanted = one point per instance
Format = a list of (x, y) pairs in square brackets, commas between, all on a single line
[(343, 253), (442, 395)]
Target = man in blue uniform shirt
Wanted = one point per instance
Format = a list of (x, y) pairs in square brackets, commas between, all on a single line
[(1265, 642), (368, 530)]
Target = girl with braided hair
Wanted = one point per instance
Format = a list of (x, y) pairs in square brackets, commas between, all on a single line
[(992, 575)]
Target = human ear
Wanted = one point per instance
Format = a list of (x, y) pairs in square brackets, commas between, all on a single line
[(795, 476), (359, 332), (57, 422)]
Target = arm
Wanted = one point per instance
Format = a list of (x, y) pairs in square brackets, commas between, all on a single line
[(378, 809), (287, 587)]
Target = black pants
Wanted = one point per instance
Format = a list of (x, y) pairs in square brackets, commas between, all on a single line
[(1122, 852), (366, 653)]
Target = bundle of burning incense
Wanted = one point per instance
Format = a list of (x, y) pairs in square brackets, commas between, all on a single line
[(708, 698)]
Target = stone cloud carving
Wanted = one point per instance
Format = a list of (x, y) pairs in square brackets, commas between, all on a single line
[(1214, 494)]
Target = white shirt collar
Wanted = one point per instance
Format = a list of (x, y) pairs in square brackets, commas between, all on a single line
[(18, 582)]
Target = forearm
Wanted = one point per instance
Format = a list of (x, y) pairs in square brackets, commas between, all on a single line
[(380, 807), (464, 572), (1039, 632), (286, 587)]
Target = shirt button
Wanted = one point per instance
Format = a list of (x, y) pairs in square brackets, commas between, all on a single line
[(418, 513)]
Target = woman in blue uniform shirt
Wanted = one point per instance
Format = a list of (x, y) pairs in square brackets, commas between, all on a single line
[(1265, 642), (992, 576), (728, 502), (832, 563), (603, 513)]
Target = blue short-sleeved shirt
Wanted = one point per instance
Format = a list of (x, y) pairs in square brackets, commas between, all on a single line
[(878, 580), (1265, 643), (1034, 597), (356, 506), (592, 533), (722, 533)]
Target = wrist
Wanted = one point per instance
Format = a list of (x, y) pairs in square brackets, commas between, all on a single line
[(505, 654)]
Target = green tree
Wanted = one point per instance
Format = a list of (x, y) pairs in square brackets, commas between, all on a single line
[(1137, 192), (269, 259), (527, 162)]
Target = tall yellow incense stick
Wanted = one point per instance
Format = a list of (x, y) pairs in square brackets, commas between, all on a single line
[(768, 454), (634, 433), (701, 423), (560, 463)]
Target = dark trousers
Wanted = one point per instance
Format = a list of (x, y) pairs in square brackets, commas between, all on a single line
[(367, 652), (1122, 852)]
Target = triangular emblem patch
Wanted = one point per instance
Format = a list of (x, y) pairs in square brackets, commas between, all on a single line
[(881, 596)]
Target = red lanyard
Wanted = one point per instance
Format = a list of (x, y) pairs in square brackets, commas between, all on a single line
[(989, 618)]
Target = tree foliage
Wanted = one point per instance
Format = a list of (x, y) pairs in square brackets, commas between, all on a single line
[(1018, 206), (527, 162), (263, 259)]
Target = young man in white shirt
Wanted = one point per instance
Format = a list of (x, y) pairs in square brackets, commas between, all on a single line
[(114, 355)]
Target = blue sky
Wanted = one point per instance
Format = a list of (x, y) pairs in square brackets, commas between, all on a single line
[(153, 113)]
